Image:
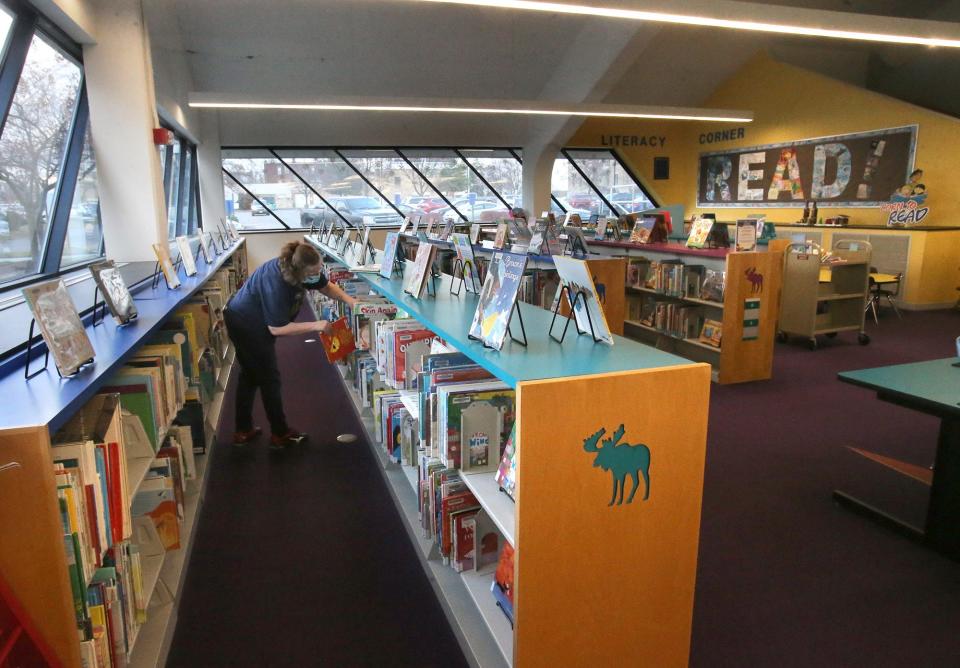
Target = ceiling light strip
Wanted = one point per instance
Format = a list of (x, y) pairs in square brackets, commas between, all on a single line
[(468, 110), (706, 21)]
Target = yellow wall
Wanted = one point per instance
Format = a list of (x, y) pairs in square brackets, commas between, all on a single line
[(788, 103)]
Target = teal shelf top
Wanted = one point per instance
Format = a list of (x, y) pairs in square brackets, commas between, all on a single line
[(933, 385), (449, 316)]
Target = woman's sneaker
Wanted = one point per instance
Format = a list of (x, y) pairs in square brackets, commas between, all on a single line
[(242, 438), (292, 437)]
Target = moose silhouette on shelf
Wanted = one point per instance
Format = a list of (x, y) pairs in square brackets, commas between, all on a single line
[(756, 280), (622, 460)]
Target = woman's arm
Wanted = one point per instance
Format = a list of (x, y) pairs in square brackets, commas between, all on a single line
[(333, 291), (295, 328)]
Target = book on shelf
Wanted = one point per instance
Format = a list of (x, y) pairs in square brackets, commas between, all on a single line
[(711, 333), (473, 423), (642, 229), (186, 255), (474, 233), (157, 500), (507, 470), (60, 325), (114, 289), (746, 236), (420, 274), (464, 249), (166, 266), (498, 296), (588, 311), (390, 252), (502, 586), (339, 342), (500, 240), (712, 288), (699, 232)]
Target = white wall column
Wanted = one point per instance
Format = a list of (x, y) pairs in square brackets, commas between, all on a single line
[(123, 113), (212, 207), (537, 174)]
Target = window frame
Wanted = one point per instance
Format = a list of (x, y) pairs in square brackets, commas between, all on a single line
[(28, 23), (191, 189)]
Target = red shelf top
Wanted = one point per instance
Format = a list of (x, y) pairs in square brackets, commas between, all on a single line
[(677, 249)]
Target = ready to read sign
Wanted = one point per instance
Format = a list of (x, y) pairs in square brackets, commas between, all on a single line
[(861, 169)]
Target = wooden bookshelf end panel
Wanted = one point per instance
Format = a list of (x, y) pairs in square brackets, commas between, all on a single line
[(601, 584), (750, 276), (31, 548)]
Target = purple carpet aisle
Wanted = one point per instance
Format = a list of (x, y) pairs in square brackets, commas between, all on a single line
[(301, 559)]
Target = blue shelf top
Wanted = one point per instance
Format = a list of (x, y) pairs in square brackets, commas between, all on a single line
[(449, 316), (934, 385), (47, 399)]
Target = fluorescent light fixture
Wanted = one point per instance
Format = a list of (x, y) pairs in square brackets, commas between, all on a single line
[(796, 22), (233, 101)]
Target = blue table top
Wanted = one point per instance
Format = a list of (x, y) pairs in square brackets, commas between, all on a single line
[(933, 386), (449, 316), (47, 399)]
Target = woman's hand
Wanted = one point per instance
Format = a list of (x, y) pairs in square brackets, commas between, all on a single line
[(323, 326)]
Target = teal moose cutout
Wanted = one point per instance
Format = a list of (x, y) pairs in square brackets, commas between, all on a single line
[(622, 460)]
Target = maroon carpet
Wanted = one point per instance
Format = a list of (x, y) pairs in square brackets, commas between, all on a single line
[(301, 558)]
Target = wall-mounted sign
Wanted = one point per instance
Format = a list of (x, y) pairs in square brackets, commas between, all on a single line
[(633, 140), (862, 169), (718, 136)]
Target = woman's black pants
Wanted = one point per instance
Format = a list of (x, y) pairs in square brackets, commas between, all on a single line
[(257, 357)]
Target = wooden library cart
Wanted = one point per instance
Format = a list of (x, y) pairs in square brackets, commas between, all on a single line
[(595, 582), (32, 546), (825, 298), (748, 311)]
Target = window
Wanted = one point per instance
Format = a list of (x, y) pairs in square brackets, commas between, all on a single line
[(180, 184), (32, 151), (84, 230), (596, 182), (172, 188), (501, 170)]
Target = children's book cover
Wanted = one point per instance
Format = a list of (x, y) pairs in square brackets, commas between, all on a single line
[(417, 281), (699, 231), (475, 233), (461, 243), (114, 290), (389, 253), (497, 299), (642, 229), (60, 325), (507, 471), (339, 342), (501, 239), (186, 254), (166, 266)]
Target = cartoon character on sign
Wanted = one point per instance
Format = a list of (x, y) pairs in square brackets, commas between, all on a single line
[(622, 460), (756, 280)]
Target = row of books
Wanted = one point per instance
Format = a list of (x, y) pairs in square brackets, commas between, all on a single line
[(122, 466), (676, 279), (436, 412), (682, 321)]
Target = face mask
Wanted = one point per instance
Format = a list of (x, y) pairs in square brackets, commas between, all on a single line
[(312, 280)]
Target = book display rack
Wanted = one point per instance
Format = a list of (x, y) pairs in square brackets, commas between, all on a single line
[(122, 549), (579, 552)]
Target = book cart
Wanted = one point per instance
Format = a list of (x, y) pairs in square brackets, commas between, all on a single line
[(748, 310), (32, 557), (595, 582), (825, 298)]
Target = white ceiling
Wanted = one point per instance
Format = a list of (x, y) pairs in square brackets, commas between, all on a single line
[(402, 49)]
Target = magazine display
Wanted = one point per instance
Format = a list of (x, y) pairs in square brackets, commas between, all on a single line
[(461, 243), (389, 253), (166, 266), (417, 281), (186, 254), (576, 275), (497, 299), (114, 290), (60, 325)]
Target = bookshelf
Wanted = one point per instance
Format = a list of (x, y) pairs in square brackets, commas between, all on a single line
[(577, 557), (32, 549), (739, 358)]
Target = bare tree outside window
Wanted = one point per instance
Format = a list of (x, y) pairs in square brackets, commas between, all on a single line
[(31, 155)]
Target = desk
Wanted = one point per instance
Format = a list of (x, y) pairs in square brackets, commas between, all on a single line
[(933, 388), (877, 278)]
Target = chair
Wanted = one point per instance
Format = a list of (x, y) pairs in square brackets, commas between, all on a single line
[(886, 290)]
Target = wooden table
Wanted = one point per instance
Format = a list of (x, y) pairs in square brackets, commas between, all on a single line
[(933, 388)]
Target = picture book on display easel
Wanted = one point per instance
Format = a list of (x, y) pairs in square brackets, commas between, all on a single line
[(420, 275), (186, 254), (166, 266), (576, 243), (642, 230), (466, 262), (746, 239), (60, 325), (498, 297), (501, 239), (389, 258), (699, 232), (475, 233), (581, 295), (115, 293), (405, 225)]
